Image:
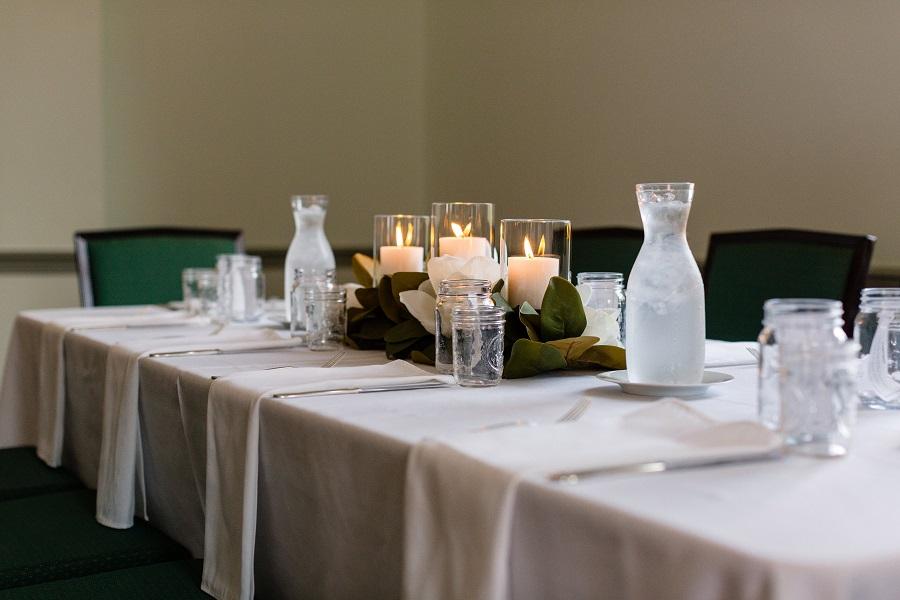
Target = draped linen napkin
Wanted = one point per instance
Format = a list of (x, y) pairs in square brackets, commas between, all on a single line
[(232, 456), (728, 354), (461, 491), (120, 478), (51, 393)]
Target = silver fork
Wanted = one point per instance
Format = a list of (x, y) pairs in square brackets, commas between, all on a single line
[(573, 414), (326, 365)]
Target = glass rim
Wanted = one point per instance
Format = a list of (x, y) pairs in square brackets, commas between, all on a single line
[(600, 276), (401, 216), (483, 314), (325, 294), (313, 199), (880, 292), (676, 186), (564, 221), (433, 204), (450, 284)]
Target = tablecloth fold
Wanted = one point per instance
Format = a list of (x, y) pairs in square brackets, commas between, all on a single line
[(232, 458), (460, 491)]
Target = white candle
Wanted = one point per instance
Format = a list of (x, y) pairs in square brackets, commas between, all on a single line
[(465, 247), (401, 259), (528, 278)]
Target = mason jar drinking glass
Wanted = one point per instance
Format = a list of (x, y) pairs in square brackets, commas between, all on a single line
[(326, 318), (605, 292), (815, 321), (877, 331), (478, 345), (453, 293)]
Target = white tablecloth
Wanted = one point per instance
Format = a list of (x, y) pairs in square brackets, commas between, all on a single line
[(333, 470)]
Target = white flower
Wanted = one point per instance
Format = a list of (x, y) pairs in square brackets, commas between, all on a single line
[(421, 302), (352, 301)]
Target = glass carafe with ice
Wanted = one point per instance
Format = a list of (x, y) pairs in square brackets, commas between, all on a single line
[(664, 314), (310, 251)]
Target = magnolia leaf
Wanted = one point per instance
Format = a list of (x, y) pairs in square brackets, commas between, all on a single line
[(363, 269), (573, 348), (530, 358), (367, 297), (601, 358), (391, 307), (500, 302), (421, 306), (355, 315), (395, 350), (562, 314), (424, 356), (402, 282), (498, 287), (530, 318), (407, 330), (373, 329)]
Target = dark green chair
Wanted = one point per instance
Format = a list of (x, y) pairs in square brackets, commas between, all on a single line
[(744, 269), (143, 266), (55, 536), (179, 580), (23, 474), (605, 249)]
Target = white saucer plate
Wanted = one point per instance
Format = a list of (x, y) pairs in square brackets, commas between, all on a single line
[(679, 390)]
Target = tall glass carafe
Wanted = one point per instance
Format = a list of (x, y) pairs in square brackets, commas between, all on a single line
[(665, 321), (309, 253)]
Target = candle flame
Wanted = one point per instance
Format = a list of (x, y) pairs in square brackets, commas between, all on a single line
[(459, 232), (542, 246), (529, 253), (398, 232)]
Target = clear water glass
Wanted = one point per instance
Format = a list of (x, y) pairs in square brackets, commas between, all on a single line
[(605, 292), (326, 318), (453, 293), (877, 331), (242, 287), (478, 345), (815, 320), (190, 282), (818, 386), (207, 292), (306, 280)]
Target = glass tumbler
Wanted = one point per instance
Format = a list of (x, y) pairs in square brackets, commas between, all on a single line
[(478, 345), (190, 282), (877, 331), (818, 384), (242, 287), (453, 293), (304, 282), (326, 318), (207, 292), (815, 320), (605, 293)]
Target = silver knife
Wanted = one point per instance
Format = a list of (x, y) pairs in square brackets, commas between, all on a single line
[(218, 351), (363, 390), (658, 466), (139, 326)]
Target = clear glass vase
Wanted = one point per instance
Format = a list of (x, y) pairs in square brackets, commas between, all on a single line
[(310, 253), (665, 322)]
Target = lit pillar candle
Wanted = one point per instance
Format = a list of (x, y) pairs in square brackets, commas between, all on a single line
[(403, 257), (529, 275), (463, 245)]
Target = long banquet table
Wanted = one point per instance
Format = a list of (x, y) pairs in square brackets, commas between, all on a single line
[(332, 513)]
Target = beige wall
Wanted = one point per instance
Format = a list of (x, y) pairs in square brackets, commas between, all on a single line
[(51, 153), (216, 112), (783, 113)]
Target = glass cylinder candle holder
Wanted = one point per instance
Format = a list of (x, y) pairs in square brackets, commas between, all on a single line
[(462, 229), (401, 244), (531, 252)]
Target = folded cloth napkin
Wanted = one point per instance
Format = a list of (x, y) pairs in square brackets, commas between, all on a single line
[(728, 354), (460, 491), (52, 379), (232, 458), (120, 477)]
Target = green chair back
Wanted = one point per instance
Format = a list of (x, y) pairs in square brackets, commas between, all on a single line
[(605, 249), (744, 269), (143, 266)]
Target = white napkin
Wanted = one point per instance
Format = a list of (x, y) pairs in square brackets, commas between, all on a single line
[(232, 458), (120, 478), (460, 492), (52, 379), (728, 354)]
